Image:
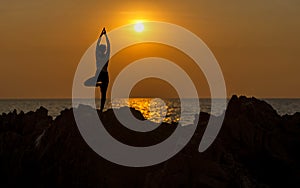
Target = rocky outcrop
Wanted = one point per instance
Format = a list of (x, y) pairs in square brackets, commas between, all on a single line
[(255, 148), (262, 141), (18, 135)]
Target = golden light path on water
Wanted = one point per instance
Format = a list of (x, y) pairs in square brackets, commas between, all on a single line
[(152, 109), (169, 109)]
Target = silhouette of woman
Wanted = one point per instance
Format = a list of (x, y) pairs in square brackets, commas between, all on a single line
[(102, 59)]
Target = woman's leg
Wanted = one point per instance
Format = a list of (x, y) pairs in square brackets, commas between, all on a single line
[(103, 89)]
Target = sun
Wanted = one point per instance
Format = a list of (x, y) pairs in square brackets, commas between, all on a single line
[(139, 27)]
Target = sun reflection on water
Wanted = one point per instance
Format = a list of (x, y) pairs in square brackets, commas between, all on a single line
[(153, 109)]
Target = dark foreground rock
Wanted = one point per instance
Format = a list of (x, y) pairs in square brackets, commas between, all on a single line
[(255, 148)]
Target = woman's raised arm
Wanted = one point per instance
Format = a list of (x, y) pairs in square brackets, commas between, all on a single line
[(107, 47)]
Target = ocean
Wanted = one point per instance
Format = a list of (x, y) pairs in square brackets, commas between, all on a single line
[(151, 109)]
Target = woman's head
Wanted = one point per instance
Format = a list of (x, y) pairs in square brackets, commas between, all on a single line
[(102, 48)]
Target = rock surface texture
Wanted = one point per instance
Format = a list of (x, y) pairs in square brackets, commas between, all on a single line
[(254, 148)]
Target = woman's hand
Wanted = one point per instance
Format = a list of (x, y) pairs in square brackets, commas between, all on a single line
[(103, 32)]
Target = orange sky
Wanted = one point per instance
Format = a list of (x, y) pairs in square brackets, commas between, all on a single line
[(256, 42)]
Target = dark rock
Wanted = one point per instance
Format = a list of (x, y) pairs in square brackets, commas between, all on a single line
[(18, 133), (255, 148)]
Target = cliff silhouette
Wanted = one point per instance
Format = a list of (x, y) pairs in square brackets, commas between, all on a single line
[(255, 148)]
